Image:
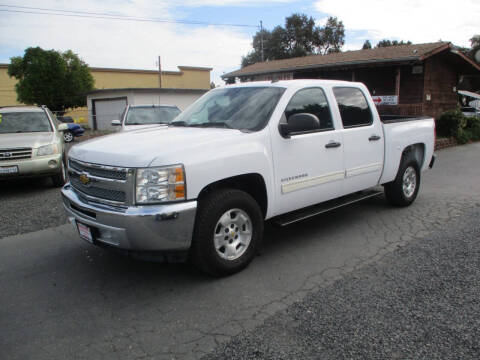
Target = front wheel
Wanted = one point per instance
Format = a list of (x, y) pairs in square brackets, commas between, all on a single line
[(228, 229), (404, 189)]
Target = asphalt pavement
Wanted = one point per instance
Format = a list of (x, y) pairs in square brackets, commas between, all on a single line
[(365, 281)]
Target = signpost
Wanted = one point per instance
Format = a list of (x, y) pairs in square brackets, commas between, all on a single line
[(385, 100)]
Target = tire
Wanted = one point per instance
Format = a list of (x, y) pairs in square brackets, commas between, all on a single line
[(60, 179), (68, 136), (228, 230), (404, 189)]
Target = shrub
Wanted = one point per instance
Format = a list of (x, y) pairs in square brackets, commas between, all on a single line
[(464, 136), (450, 122), (473, 126)]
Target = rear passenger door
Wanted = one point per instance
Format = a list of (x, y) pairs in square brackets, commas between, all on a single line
[(308, 166), (362, 138)]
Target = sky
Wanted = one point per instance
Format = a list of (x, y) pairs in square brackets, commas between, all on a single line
[(137, 44)]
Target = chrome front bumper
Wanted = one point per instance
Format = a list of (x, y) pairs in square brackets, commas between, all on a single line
[(36, 166), (138, 228)]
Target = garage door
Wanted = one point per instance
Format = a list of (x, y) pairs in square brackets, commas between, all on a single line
[(106, 110)]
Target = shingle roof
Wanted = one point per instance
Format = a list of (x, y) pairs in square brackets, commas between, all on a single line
[(384, 54)]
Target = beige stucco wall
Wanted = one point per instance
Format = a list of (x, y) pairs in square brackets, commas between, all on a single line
[(185, 78)]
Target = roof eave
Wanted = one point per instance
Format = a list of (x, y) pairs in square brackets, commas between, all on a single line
[(316, 66)]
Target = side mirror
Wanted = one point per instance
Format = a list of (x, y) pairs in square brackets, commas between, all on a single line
[(299, 123), (62, 127), (116, 123)]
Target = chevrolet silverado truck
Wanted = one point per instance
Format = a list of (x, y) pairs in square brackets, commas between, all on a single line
[(202, 187)]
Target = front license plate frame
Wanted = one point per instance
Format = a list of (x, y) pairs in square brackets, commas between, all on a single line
[(85, 232)]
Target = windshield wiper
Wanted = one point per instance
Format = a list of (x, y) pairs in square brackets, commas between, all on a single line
[(179, 123), (213, 124)]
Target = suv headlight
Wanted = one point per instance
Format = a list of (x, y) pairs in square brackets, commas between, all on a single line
[(47, 150), (160, 184)]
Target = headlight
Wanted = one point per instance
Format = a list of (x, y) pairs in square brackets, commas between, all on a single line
[(47, 150), (161, 184)]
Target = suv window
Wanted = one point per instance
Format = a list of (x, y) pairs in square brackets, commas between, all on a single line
[(312, 101), (353, 107)]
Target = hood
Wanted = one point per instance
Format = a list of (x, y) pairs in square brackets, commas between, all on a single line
[(166, 145), (33, 140), (140, 127)]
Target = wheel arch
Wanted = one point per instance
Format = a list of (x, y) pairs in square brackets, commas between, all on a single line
[(252, 183), (417, 151)]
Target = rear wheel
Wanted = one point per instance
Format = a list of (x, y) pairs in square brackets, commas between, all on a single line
[(228, 229), (68, 136), (404, 189)]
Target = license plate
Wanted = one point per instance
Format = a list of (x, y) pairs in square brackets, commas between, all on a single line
[(85, 232), (7, 170)]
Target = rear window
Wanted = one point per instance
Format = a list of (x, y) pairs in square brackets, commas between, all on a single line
[(353, 107), (24, 122)]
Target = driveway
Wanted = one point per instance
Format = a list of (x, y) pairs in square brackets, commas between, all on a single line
[(62, 298)]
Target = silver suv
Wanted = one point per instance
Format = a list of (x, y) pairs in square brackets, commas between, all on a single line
[(31, 144)]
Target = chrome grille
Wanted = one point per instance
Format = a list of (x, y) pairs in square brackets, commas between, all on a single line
[(15, 154), (101, 183), (100, 172), (107, 194)]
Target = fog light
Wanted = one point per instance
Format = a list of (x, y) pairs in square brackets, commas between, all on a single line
[(52, 163)]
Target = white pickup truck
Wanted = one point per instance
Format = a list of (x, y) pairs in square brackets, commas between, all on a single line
[(203, 186)]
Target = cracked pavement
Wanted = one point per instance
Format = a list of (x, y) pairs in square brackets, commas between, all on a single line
[(62, 298)]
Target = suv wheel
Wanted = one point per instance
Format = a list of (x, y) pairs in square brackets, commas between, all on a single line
[(60, 179)]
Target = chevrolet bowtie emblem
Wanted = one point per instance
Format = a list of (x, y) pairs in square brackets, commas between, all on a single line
[(84, 179)]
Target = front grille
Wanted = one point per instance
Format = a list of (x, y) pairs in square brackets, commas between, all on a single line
[(98, 192), (15, 154), (100, 183), (117, 174)]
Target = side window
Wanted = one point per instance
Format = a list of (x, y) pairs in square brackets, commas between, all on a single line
[(353, 107), (312, 101)]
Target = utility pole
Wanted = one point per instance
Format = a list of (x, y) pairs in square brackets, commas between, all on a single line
[(261, 38), (159, 72)]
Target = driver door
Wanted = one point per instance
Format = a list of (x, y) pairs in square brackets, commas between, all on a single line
[(309, 166)]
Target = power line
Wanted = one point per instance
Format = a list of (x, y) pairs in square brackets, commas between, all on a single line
[(93, 15)]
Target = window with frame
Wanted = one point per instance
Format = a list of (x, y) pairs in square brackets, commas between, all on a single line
[(353, 106), (312, 101)]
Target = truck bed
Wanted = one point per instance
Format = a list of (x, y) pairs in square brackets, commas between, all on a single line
[(389, 119)]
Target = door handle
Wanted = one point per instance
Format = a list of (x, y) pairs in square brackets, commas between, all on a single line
[(374, 138), (333, 144)]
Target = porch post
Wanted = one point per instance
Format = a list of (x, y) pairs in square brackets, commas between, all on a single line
[(397, 84)]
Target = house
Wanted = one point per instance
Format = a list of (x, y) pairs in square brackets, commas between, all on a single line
[(417, 79)]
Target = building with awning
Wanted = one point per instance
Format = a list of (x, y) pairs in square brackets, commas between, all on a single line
[(416, 79)]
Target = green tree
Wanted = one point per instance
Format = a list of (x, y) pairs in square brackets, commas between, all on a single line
[(366, 45), (386, 43), (331, 37), (475, 51), (48, 77), (299, 37)]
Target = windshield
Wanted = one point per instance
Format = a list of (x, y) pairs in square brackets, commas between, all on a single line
[(143, 115), (242, 108), (23, 122)]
